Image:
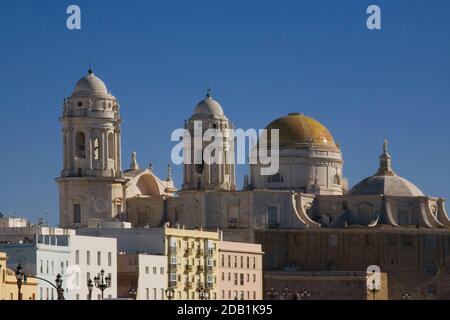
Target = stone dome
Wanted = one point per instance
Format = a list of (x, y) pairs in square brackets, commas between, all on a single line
[(297, 130), (209, 107), (385, 181), (90, 85)]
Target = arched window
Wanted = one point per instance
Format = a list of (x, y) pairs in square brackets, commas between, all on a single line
[(80, 145), (96, 149), (276, 178), (111, 148), (337, 180)]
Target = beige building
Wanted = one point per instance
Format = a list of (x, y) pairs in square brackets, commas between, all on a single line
[(240, 271), (192, 263), (8, 283)]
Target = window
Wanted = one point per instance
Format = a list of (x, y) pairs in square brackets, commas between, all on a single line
[(254, 263), (96, 149), (254, 278), (154, 270), (229, 260), (88, 258), (223, 261), (431, 289), (235, 279), (248, 277), (272, 218), (229, 276), (242, 262), (147, 270), (235, 261), (332, 240), (42, 267), (430, 241), (241, 278), (276, 178), (147, 293), (99, 258), (110, 145), (431, 269), (248, 262), (161, 270), (76, 213), (77, 257), (337, 180), (109, 259), (154, 294), (80, 145)]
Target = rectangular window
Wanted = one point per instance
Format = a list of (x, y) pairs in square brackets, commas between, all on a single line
[(147, 270), (76, 213), (161, 271), (254, 278), (147, 293), (242, 262), (241, 278), (430, 241), (109, 259), (223, 261), (88, 258), (42, 266), (154, 270), (77, 257), (332, 240), (272, 218), (99, 258), (254, 263)]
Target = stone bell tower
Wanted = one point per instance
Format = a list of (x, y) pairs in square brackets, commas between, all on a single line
[(91, 185), (203, 173)]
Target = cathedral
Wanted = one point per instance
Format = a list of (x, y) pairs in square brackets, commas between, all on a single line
[(305, 216)]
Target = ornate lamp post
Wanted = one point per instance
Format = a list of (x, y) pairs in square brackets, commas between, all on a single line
[(133, 293), (272, 293), (406, 296), (90, 286), (304, 295), (101, 282), (285, 294), (170, 293), (21, 278), (59, 289)]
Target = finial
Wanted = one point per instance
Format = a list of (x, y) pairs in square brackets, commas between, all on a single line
[(385, 168), (385, 145), (90, 66), (208, 93), (169, 172), (134, 165)]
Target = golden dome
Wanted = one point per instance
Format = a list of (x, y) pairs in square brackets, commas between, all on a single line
[(299, 131)]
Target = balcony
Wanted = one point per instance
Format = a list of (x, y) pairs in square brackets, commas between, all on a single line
[(200, 268), (173, 267), (173, 284), (188, 285), (188, 268), (209, 285), (200, 284), (211, 252), (200, 252), (188, 252), (172, 250), (210, 268)]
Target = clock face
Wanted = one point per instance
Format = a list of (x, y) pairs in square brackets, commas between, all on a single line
[(100, 205)]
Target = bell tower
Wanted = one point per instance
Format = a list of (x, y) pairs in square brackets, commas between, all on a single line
[(204, 173), (91, 183)]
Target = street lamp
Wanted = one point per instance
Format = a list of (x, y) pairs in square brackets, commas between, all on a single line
[(133, 293), (101, 282), (21, 278), (59, 289), (406, 296), (170, 293), (373, 289), (285, 293), (305, 294), (90, 286), (272, 294)]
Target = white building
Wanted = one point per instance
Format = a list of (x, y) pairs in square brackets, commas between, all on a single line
[(146, 274), (76, 258)]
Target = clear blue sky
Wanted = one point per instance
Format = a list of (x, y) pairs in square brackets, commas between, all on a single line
[(262, 59)]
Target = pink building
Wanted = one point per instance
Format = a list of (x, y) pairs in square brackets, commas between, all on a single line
[(240, 274)]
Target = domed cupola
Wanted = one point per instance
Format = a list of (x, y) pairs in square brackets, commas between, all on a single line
[(310, 161), (385, 181), (90, 85), (208, 107)]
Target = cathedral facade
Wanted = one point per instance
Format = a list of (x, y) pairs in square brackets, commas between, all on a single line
[(305, 216)]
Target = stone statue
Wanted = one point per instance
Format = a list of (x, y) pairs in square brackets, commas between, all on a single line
[(134, 165)]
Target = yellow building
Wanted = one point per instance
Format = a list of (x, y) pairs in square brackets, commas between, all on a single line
[(192, 263), (8, 283)]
